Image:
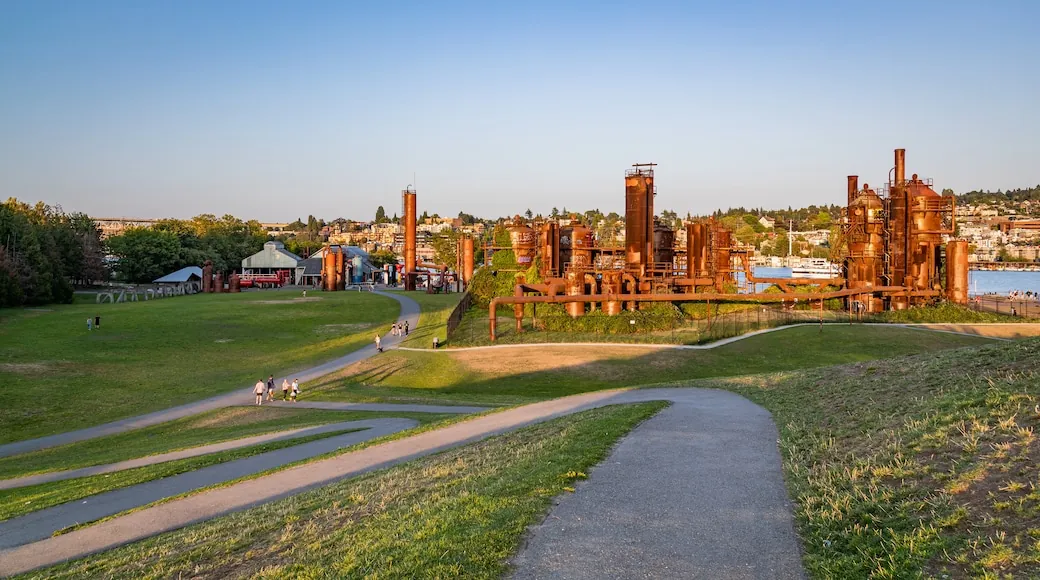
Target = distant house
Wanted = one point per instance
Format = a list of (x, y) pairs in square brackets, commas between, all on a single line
[(767, 222), (269, 260), (309, 271)]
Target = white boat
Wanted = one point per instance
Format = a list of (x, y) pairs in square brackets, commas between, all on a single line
[(815, 268)]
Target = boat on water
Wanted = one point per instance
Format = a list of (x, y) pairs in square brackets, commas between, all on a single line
[(815, 268)]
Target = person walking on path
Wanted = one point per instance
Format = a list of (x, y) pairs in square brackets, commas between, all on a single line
[(406, 328), (379, 344), (270, 388), (295, 390), (285, 389), (258, 390)]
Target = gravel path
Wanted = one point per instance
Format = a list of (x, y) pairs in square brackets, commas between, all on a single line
[(409, 313), (694, 492), (739, 475)]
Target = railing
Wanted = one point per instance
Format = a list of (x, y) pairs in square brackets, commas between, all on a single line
[(455, 318)]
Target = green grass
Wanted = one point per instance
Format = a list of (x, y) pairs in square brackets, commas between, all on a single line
[(203, 429), (461, 513), (433, 320), (522, 375), (924, 466), (153, 355)]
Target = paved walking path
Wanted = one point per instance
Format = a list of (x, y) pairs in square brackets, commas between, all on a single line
[(695, 492), (747, 464), (965, 330), (41, 524), (409, 313)]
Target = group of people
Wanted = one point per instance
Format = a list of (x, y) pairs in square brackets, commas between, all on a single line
[(1020, 295), (93, 323), (289, 392), (397, 329)]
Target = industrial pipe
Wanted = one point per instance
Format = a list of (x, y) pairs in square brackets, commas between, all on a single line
[(409, 239), (702, 297), (853, 188)]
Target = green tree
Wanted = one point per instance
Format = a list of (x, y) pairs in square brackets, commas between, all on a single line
[(445, 247), (380, 215), (145, 254), (381, 257)]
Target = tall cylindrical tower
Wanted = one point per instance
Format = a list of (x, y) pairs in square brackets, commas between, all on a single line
[(409, 239)]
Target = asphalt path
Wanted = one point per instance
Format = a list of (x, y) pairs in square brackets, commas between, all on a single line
[(694, 492), (739, 477), (409, 313), (41, 524)]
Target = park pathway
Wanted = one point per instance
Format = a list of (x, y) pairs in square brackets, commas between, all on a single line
[(740, 476), (409, 313), (694, 492)]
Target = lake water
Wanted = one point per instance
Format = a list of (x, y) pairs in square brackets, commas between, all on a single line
[(979, 282)]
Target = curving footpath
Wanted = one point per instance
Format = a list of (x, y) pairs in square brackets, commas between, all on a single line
[(702, 482), (409, 312)]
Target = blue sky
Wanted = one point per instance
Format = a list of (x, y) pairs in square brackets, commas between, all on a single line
[(277, 110)]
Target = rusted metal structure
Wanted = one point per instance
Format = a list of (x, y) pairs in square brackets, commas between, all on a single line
[(408, 198), (218, 283), (207, 276), (895, 256), (639, 216), (467, 260), (234, 283), (957, 271)]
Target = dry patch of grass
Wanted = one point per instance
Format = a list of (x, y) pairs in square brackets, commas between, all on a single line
[(583, 360)]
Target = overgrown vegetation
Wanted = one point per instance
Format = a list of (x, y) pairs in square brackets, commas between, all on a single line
[(923, 466), (44, 251), (945, 312), (461, 513)]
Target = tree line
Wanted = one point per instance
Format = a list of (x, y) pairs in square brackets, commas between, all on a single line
[(44, 251), (147, 253)]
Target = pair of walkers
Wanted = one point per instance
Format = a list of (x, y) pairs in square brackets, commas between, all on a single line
[(289, 392), (399, 329)]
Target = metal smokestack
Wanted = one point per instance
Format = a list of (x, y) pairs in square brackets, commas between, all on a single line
[(853, 188), (409, 239)]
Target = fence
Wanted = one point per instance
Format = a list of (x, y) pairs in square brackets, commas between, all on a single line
[(1002, 305), (455, 318)]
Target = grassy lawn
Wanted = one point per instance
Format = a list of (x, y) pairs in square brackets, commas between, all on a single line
[(23, 500), (521, 375), (924, 466), (433, 321), (461, 513), (203, 429), (153, 355)]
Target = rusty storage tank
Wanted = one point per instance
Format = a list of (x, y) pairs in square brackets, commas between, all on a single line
[(234, 283), (664, 246), (218, 282), (721, 244), (696, 250), (549, 249), (207, 276), (639, 216), (611, 285), (574, 285), (957, 271), (524, 242), (581, 242), (864, 234), (341, 270), (329, 269), (925, 240)]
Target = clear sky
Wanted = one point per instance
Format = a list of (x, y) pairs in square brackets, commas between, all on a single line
[(277, 110)]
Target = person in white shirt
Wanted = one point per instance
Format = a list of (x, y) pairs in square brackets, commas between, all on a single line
[(295, 389), (379, 344), (285, 389), (258, 390)]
